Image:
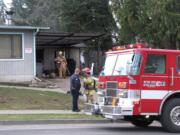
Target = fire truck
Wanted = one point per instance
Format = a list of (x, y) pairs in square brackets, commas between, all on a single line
[(140, 85)]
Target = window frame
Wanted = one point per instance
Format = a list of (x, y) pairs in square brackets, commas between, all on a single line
[(177, 64), (164, 64), (22, 41), (117, 62)]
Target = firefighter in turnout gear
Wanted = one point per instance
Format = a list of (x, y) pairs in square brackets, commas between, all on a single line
[(61, 65), (89, 86)]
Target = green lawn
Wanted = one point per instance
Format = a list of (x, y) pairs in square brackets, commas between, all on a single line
[(48, 117), (17, 99)]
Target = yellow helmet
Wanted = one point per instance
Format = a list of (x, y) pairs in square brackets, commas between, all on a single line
[(60, 52)]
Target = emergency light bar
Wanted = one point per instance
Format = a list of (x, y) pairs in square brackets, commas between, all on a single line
[(129, 46)]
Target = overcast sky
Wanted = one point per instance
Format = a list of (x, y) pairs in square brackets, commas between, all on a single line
[(7, 2)]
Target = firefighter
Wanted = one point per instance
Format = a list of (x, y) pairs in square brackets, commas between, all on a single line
[(89, 86), (61, 65)]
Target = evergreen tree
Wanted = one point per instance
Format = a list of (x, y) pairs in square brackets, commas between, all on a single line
[(2, 12), (67, 16), (157, 22), (86, 15), (23, 10)]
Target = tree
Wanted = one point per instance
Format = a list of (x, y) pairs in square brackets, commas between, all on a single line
[(157, 22), (88, 16), (37, 13), (165, 21), (67, 16), (46, 13), (2, 12), (23, 9)]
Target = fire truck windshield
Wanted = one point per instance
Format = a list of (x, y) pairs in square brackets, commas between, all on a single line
[(122, 64), (109, 64)]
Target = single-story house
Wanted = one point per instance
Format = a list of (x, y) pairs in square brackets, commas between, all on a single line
[(27, 51), (17, 53)]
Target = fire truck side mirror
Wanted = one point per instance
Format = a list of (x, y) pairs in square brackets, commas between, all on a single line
[(102, 73)]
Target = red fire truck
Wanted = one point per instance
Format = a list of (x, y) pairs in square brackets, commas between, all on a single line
[(140, 85)]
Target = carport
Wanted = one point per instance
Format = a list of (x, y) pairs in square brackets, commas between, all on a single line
[(48, 44), (50, 39)]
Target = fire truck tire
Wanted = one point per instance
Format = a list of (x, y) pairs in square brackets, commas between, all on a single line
[(170, 118), (141, 122)]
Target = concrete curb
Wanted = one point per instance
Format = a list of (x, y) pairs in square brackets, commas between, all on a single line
[(34, 122), (37, 112)]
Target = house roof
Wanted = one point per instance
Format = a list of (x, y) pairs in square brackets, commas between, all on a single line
[(23, 27), (62, 39), (55, 39)]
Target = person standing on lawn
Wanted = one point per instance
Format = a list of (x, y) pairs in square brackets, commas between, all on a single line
[(89, 86), (75, 86)]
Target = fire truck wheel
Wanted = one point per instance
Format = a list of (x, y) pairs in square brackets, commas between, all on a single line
[(141, 122), (170, 118)]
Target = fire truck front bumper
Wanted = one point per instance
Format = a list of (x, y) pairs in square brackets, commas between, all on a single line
[(92, 109), (108, 111), (116, 112)]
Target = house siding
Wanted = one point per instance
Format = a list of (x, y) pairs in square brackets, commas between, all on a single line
[(19, 70)]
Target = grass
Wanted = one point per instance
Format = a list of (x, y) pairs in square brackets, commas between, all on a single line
[(48, 117), (22, 99)]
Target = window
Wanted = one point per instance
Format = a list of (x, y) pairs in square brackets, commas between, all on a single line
[(178, 64), (10, 46), (155, 64), (109, 64), (122, 64)]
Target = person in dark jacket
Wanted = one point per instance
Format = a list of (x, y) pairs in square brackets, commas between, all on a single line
[(75, 86)]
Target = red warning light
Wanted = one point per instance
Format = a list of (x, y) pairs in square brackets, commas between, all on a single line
[(129, 46), (138, 45)]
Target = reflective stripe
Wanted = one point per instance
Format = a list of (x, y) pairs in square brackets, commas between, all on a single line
[(149, 113), (155, 76), (153, 94)]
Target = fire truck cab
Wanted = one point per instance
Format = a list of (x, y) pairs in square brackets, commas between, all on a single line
[(140, 85)]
